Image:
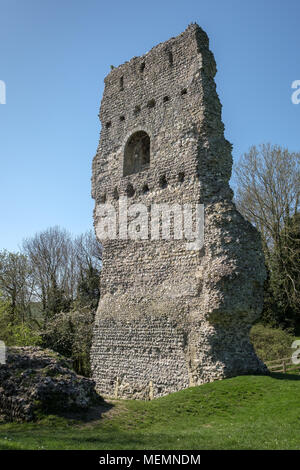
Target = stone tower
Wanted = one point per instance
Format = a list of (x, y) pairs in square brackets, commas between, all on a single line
[(171, 317)]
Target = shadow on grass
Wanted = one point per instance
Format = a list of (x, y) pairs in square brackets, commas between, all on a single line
[(281, 376), (92, 414)]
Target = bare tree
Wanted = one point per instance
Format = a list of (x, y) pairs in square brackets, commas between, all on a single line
[(89, 263), (50, 254), (63, 268), (268, 188), (268, 195), (88, 251)]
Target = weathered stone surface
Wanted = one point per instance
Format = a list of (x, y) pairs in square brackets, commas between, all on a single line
[(169, 317), (35, 380)]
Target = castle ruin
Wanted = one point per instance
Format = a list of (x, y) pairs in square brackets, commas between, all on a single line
[(171, 317)]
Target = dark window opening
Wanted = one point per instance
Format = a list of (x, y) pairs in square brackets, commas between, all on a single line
[(166, 99), (102, 198), (142, 67), (137, 153), (181, 177), (163, 181), (145, 188), (108, 124), (183, 91), (170, 56), (116, 194), (130, 190), (121, 83), (151, 104), (137, 110), (122, 118)]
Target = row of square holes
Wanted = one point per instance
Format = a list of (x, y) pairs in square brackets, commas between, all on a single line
[(151, 104), (130, 191)]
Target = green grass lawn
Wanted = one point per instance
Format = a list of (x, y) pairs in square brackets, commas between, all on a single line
[(249, 412)]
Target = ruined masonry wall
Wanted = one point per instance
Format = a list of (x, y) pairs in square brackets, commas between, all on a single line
[(168, 317)]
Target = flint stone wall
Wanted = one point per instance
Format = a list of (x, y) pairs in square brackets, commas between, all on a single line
[(169, 317), (35, 380)]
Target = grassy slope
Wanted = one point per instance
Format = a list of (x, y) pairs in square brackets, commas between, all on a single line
[(248, 412)]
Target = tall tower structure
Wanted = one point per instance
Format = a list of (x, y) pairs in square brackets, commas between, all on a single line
[(169, 316)]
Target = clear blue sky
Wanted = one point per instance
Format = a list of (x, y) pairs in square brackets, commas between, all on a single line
[(54, 55)]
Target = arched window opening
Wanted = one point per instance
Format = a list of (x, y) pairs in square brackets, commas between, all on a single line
[(137, 153)]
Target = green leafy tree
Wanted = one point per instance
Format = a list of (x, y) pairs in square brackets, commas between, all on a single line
[(284, 284), (16, 333), (16, 283)]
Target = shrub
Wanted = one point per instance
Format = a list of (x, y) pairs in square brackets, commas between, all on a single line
[(23, 335), (271, 343), (16, 333), (70, 334)]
